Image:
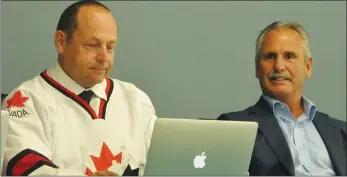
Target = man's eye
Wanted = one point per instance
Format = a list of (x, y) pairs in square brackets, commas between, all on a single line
[(269, 56), (110, 47), (290, 56)]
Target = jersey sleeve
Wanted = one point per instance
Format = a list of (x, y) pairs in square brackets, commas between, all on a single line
[(148, 113), (28, 142), (150, 126)]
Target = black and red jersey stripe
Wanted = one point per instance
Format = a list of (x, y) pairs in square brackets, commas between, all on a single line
[(79, 100), (26, 162)]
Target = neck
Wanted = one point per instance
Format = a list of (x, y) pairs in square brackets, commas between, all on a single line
[(294, 103)]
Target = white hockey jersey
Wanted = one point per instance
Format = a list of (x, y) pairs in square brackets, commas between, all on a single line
[(52, 131)]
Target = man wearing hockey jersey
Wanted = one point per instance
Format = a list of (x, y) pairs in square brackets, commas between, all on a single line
[(72, 119)]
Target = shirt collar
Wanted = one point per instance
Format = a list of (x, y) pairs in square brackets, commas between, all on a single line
[(309, 108), (58, 74)]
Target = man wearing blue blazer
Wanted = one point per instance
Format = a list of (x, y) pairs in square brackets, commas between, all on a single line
[(293, 137)]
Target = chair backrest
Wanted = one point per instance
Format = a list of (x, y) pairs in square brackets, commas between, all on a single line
[(3, 96)]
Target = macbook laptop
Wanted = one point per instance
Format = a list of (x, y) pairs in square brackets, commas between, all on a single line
[(181, 147)]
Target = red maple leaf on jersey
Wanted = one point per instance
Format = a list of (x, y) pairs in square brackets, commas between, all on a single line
[(105, 160), (17, 100)]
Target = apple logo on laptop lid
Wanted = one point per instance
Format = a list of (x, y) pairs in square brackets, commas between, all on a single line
[(199, 160)]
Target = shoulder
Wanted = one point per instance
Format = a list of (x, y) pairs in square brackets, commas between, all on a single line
[(131, 91), (335, 122), (31, 93), (236, 115)]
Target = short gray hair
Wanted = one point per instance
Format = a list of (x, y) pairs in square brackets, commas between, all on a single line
[(283, 25)]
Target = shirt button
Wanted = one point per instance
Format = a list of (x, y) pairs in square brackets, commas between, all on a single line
[(301, 148)]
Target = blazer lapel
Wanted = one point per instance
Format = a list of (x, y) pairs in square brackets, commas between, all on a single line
[(332, 139), (268, 125)]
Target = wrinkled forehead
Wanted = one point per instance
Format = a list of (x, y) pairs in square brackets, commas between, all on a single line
[(282, 40), (96, 22)]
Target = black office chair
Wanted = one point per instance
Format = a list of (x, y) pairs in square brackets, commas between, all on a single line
[(3, 96)]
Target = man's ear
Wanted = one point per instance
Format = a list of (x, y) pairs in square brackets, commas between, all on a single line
[(257, 72), (60, 41), (308, 67)]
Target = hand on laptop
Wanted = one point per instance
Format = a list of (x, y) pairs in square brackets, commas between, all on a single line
[(105, 173)]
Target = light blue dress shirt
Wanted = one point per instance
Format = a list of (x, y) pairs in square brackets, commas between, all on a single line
[(310, 156)]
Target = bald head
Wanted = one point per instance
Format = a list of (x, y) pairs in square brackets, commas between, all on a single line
[(93, 19), (68, 19)]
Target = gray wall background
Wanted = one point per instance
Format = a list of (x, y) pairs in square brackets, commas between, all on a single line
[(194, 59)]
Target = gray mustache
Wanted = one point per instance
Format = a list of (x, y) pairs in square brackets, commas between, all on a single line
[(274, 75), (104, 66)]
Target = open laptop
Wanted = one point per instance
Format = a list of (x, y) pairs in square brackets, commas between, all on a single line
[(181, 147)]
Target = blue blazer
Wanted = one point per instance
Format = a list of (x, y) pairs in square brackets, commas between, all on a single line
[(271, 155)]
